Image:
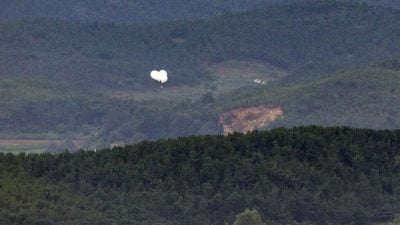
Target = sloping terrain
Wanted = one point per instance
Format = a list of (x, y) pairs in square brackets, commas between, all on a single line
[(90, 82), (248, 119), (305, 176), (295, 38), (361, 97)]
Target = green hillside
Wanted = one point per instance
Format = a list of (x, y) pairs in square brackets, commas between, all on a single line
[(74, 83), (306, 175), (89, 83), (361, 97), (297, 37), (48, 110)]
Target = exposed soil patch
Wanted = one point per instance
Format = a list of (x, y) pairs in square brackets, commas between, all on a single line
[(248, 119)]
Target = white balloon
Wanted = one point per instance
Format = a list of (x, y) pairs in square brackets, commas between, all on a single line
[(160, 76), (154, 75), (163, 76)]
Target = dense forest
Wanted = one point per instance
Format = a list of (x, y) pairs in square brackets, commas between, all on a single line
[(63, 79), (304, 175)]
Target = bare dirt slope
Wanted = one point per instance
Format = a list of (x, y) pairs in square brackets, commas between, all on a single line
[(248, 119)]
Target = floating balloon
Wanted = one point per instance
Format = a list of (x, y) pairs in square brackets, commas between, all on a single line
[(160, 76)]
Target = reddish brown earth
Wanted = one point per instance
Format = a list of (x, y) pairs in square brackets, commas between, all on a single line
[(248, 119)]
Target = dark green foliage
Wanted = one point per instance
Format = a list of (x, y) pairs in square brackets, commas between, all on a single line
[(308, 175)]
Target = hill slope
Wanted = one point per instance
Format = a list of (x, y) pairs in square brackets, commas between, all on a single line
[(307, 175), (296, 37), (361, 97), (90, 81)]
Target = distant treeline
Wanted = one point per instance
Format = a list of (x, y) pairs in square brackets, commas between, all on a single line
[(304, 175)]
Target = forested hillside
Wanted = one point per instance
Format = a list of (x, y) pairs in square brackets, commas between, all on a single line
[(360, 97), (296, 37), (306, 175), (75, 75), (90, 82)]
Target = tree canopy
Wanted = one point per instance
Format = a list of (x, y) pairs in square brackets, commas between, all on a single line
[(304, 175)]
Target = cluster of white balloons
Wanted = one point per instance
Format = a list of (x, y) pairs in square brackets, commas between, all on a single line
[(160, 76)]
